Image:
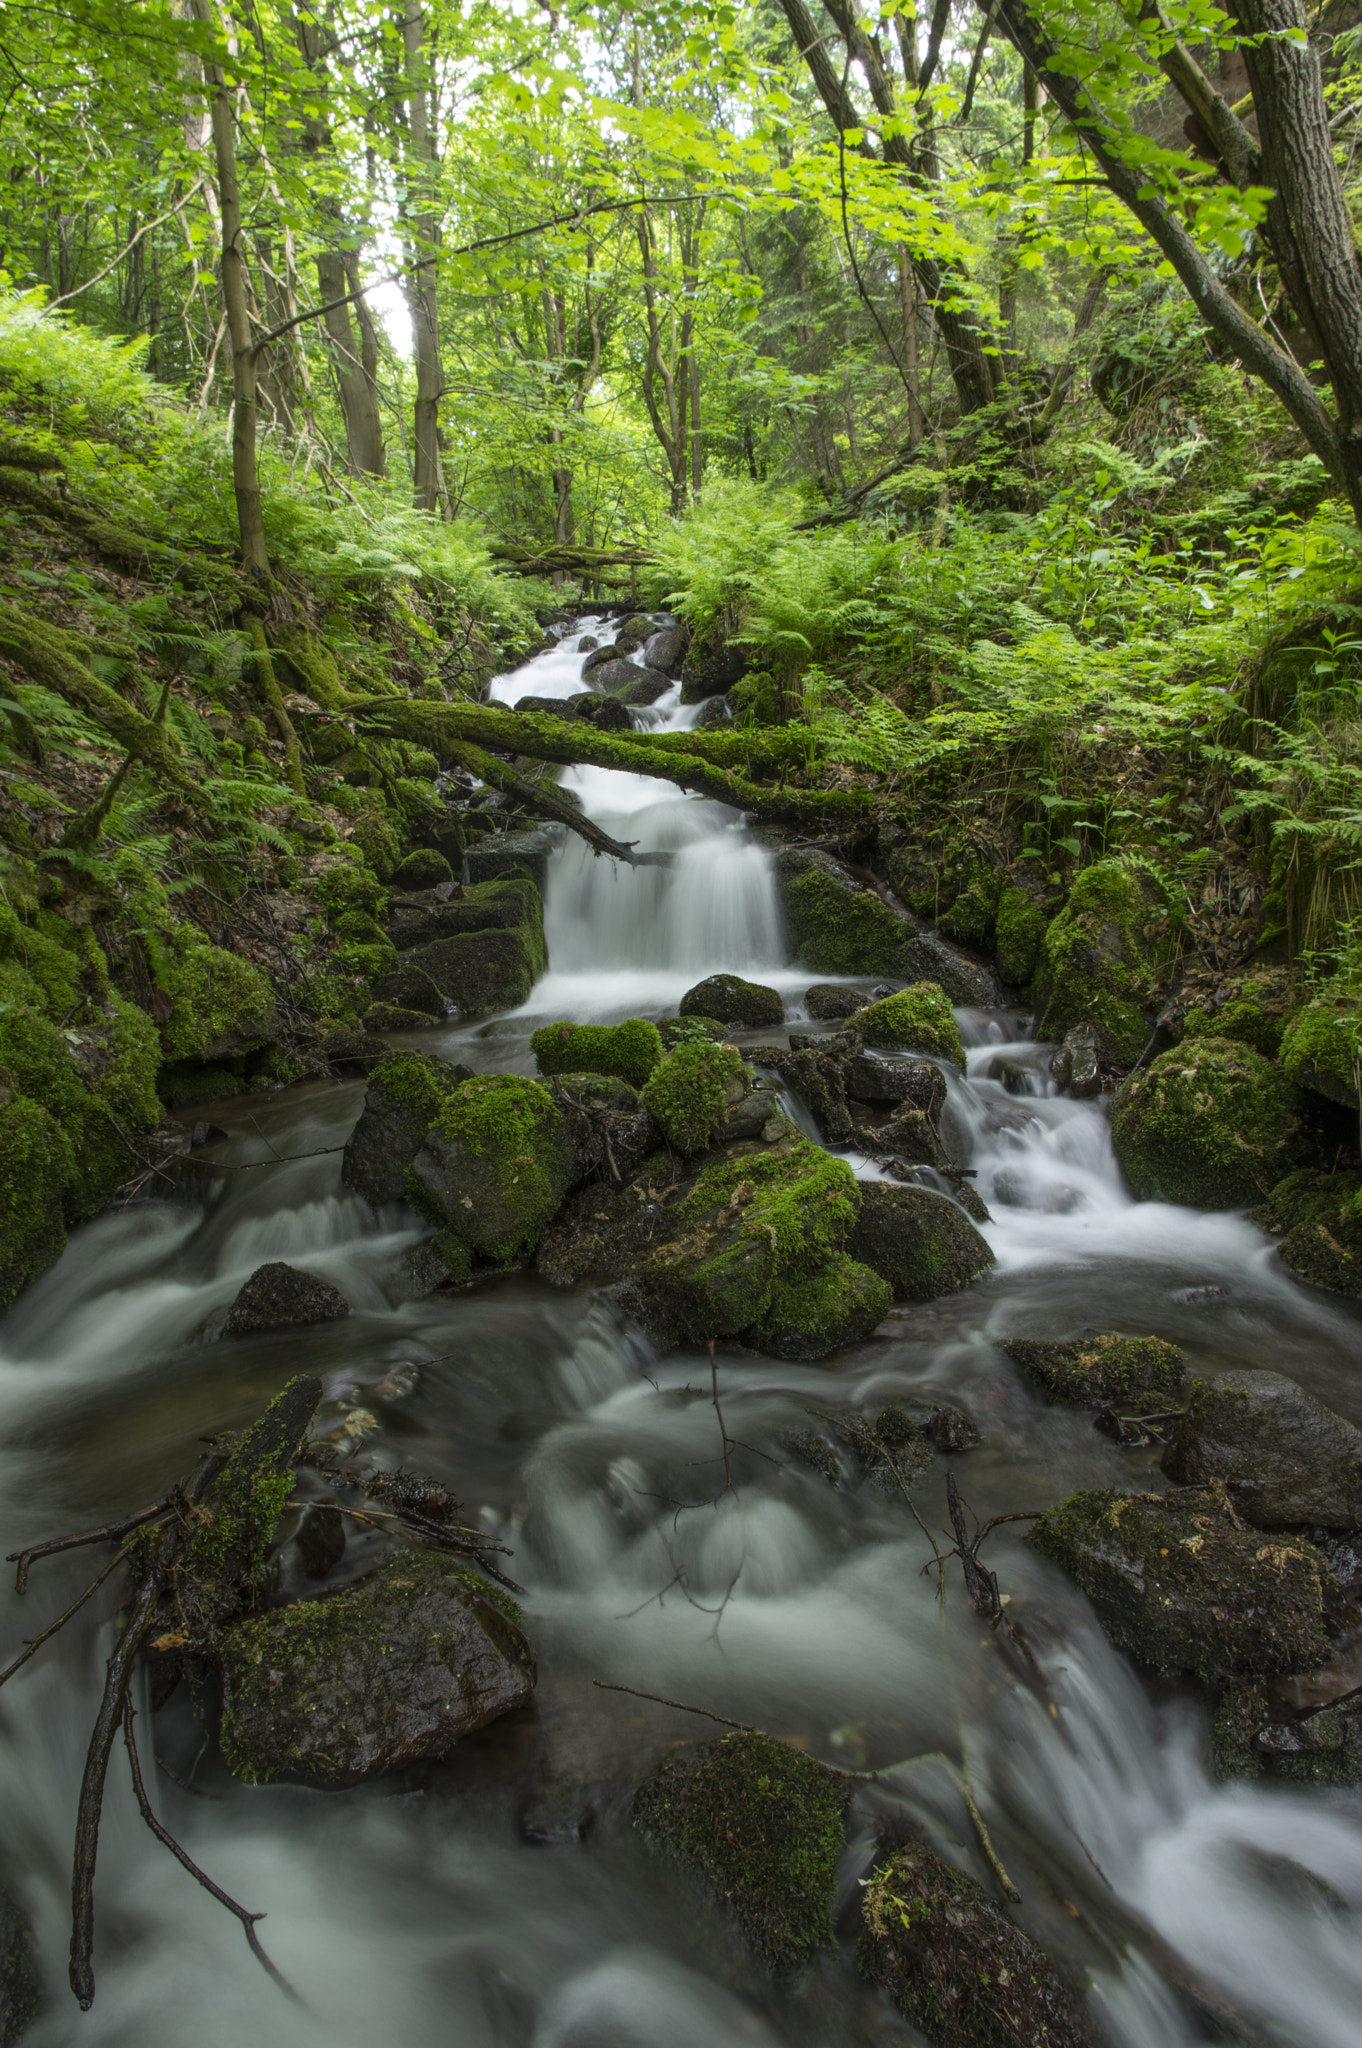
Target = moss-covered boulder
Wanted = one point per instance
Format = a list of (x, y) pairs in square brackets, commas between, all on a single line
[(610, 1131), (828, 1000), (380, 1017), (35, 1169), (506, 903), (812, 1316), (1180, 1582), (1318, 1217), (920, 1243), (674, 1031), (220, 1006), (1211, 1123), (917, 1019), (630, 1050), (484, 971), (1284, 1459), (1251, 1737), (1097, 1372), (710, 667), (389, 1672), (406, 1093), (759, 1826), (1322, 1048), (835, 925), (973, 915), (691, 1092), (819, 1079), (422, 869), (494, 1166), (97, 1080), (409, 989), (1098, 960), (732, 1000), (1019, 935), (956, 1967), (378, 843), (1249, 1016)]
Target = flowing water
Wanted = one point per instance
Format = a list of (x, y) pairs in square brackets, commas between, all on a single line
[(459, 1907)]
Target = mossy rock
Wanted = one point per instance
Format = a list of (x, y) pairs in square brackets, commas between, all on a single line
[(917, 1019), (1180, 1582), (630, 1050), (732, 1000), (973, 917), (495, 1166), (98, 1081), (48, 961), (674, 1031), (827, 1001), (760, 1827), (1101, 1371), (182, 1087), (379, 844), (1244, 1019), (349, 884), (483, 971), (815, 1314), (35, 1169), (833, 925), (422, 869), (406, 1093), (1098, 961), (1322, 1048), (1249, 1739), (1318, 1217), (358, 928), (380, 1675), (691, 1091), (956, 1967), (1284, 1460), (1211, 1124), (1019, 936), (410, 989), (922, 1244), (221, 1006), (371, 960), (392, 1017)]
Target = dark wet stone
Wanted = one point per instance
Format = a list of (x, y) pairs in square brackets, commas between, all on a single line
[(647, 690), (607, 714), (505, 851), (391, 1671), (546, 707), (409, 989), (320, 1541), (280, 1297), (887, 1080), (922, 1243), (381, 1017), (1252, 1736), (405, 1094), (423, 868), (708, 669), (714, 711), (819, 1080), (733, 1001), (826, 1001), (598, 657), (666, 649), (1286, 1461)]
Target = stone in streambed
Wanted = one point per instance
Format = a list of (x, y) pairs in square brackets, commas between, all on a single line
[(921, 1243), (631, 1049), (819, 1080), (409, 989), (647, 690), (709, 668), (613, 678), (1098, 1371), (956, 1967), (1285, 1460), (760, 1827), (280, 1297), (1253, 1735), (1318, 1217), (405, 1094), (666, 649), (389, 1672), (733, 1001), (609, 1129), (493, 1167), (381, 1017), (1210, 1123), (507, 903), (827, 1001), (888, 1080), (812, 1316), (916, 1019), (517, 854), (607, 714), (1179, 1581), (484, 971), (1098, 960), (422, 869), (691, 1091), (912, 1136)]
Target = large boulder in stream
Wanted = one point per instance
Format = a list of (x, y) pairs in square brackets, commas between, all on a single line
[(1284, 1459), (917, 1019), (922, 1244), (955, 1965), (732, 1000), (481, 946), (1180, 1582), (405, 1094), (709, 668), (840, 923), (1210, 1123), (691, 1091), (666, 649), (281, 1297), (391, 1671), (493, 1169), (629, 1050)]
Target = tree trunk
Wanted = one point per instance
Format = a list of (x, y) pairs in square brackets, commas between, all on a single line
[(422, 260), (908, 304), (245, 477), (356, 386)]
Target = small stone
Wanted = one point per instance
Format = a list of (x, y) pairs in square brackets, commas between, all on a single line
[(281, 1297), (1286, 1461), (826, 1000)]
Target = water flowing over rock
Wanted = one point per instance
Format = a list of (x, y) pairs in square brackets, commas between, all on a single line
[(1283, 1458), (280, 1297)]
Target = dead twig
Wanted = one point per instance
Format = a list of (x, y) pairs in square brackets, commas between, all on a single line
[(680, 1705)]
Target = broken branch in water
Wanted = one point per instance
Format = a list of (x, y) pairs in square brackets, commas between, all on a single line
[(981, 1584), (108, 1532), (680, 1705)]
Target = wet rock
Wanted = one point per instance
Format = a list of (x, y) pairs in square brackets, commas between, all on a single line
[(674, 1031), (546, 707), (20, 1983), (840, 1303), (916, 1082), (708, 669), (1019, 929), (1098, 960), (1250, 1011), (405, 1094), (631, 1050), (1101, 1370), (320, 1541), (493, 1167), (921, 1243), (911, 1136), (836, 924), (217, 1006), (666, 649), (1180, 1582), (599, 656), (610, 1131), (389, 1672), (1319, 1049), (1285, 1460), (691, 1092), (928, 957), (954, 1964), (819, 1080), (1253, 1735), (606, 713), (638, 627), (758, 1115), (409, 989), (508, 903), (760, 1827), (714, 711), (423, 868), (827, 1001), (733, 1001), (647, 690), (917, 1019), (1074, 1065), (887, 1448), (1318, 1217), (35, 1166), (588, 644), (505, 852), (613, 678), (381, 1017), (949, 1429), (347, 1047), (1210, 1123), (484, 971), (280, 1297)]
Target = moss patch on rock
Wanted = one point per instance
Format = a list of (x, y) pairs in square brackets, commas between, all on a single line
[(1245, 1018), (814, 1314), (406, 1093), (422, 869), (1101, 1371), (630, 1050), (917, 1019), (760, 1826), (221, 1006), (690, 1092), (1097, 961), (974, 914), (35, 1167), (1251, 1738), (1019, 935), (1183, 1585), (834, 926), (1211, 1123), (495, 1165), (920, 1243), (483, 971), (732, 1000), (1318, 1217), (1322, 1048)]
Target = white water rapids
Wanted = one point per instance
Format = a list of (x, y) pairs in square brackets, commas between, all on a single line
[(418, 1912)]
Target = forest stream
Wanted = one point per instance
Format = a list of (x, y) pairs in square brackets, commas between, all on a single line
[(667, 1543)]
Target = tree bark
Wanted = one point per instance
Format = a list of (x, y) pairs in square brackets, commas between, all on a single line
[(422, 258)]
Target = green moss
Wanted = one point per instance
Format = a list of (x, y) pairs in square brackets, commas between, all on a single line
[(1020, 936), (316, 666), (235, 1534), (1249, 1739), (378, 843), (35, 1168), (495, 1166), (630, 1050), (370, 961), (814, 1313), (1102, 1370), (361, 929), (835, 928), (1322, 1047), (674, 1031), (221, 1005), (423, 868), (422, 1084), (98, 1082), (349, 885), (973, 916), (50, 964), (760, 1825), (1097, 962), (917, 1019), (922, 1244), (689, 1093), (1210, 1123), (1243, 1019), (1318, 1217), (735, 1001)]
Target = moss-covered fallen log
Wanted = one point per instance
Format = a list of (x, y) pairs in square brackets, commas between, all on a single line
[(137, 552), (446, 728)]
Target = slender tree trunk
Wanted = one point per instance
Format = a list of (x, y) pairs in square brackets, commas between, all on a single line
[(356, 384), (908, 304), (245, 476), (422, 257)]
